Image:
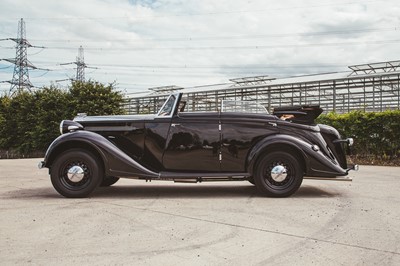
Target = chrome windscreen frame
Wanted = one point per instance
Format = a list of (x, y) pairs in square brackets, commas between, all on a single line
[(171, 112)]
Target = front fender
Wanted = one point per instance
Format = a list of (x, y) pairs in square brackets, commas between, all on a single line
[(116, 162), (316, 163)]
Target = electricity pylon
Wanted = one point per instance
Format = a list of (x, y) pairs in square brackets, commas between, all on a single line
[(20, 80), (80, 66)]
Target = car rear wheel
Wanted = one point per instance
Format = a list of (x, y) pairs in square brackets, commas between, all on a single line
[(76, 173), (109, 181), (278, 174)]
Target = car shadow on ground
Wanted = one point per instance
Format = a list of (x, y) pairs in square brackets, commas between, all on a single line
[(180, 191), (201, 191), (307, 191), (168, 191)]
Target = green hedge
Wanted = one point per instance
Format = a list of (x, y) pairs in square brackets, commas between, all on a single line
[(29, 122), (375, 134)]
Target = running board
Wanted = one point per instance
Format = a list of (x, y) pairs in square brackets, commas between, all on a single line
[(180, 175), (202, 177), (341, 178), (209, 179)]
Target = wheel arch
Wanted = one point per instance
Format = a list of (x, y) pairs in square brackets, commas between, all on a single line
[(75, 144), (114, 161), (258, 152)]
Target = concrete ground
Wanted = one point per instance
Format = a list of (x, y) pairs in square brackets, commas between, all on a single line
[(224, 223)]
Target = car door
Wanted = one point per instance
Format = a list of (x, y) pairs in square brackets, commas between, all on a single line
[(193, 143), (239, 133)]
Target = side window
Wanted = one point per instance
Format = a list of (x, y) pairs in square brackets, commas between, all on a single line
[(167, 109)]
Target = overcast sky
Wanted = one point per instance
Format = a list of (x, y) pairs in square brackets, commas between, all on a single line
[(150, 43)]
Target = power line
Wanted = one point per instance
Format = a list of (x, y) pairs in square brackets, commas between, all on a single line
[(163, 70), (238, 37), (253, 66), (101, 49), (230, 37), (249, 47), (226, 66)]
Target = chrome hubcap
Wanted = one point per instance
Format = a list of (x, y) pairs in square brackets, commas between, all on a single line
[(75, 173), (278, 173)]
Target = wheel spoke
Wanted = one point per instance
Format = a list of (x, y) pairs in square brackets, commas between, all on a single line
[(76, 173), (278, 174), (68, 182)]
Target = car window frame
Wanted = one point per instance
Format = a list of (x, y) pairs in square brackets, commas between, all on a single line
[(176, 95)]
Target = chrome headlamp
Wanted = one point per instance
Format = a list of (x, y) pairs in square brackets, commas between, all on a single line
[(69, 126)]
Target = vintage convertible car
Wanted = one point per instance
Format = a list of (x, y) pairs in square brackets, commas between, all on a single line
[(237, 142)]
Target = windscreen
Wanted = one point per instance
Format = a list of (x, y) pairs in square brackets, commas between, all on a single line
[(167, 108)]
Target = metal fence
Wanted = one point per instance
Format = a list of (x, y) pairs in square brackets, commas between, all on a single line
[(367, 87)]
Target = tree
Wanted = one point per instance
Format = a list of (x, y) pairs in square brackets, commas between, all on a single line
[(94, 98), (29, 122), (5, 122), (51, 106)]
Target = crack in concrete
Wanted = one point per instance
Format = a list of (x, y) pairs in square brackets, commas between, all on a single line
[(257, 229)]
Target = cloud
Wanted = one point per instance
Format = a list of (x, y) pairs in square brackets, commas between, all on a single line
[(148, 43)]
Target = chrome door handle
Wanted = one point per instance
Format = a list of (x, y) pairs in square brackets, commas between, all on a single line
[(175, 125), (272, 124)]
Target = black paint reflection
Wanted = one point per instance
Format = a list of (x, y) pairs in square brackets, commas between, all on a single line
[(238, 137), (193, 145)]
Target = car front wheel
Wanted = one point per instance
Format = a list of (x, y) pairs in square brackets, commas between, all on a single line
[(278, 174), (76, 173)]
